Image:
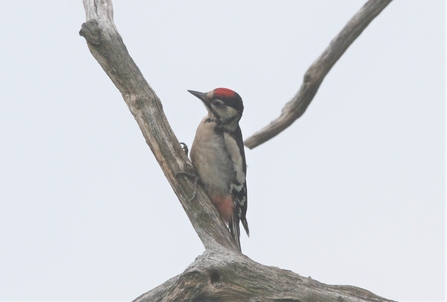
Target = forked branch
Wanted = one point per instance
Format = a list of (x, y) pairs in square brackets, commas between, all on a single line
[(222, 273)]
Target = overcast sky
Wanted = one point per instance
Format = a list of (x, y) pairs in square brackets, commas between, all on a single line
[(351, 194)]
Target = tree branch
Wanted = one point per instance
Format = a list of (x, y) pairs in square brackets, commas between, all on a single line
[(222, 273), (316, 73), (235, 277), (107, 46)]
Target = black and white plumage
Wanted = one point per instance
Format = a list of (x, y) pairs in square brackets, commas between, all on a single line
[(218, 156)]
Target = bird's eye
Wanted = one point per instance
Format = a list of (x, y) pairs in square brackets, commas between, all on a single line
[(217, 103)]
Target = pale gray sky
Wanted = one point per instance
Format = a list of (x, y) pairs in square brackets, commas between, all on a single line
[(352, 193)]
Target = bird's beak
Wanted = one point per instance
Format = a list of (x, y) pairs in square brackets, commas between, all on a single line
[(200, 95)]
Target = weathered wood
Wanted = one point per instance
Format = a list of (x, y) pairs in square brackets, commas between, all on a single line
[(107, 46), (316, 73), (235, 277), (222, 273)]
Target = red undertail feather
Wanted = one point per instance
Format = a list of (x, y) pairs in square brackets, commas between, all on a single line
[(225, 206)]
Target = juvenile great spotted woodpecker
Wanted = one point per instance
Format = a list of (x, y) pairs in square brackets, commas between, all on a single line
[(218, 156)]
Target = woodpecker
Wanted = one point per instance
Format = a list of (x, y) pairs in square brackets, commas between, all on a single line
[(218, 156)]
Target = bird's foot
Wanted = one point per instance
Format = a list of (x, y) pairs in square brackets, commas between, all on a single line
[(185, 148)]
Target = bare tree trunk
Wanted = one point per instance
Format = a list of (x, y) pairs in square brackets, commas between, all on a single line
[(235, 277), (222, 273)]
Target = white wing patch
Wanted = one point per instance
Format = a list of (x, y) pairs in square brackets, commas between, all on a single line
[(236, 157)]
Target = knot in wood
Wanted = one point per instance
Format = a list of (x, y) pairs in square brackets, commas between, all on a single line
[(91, 32), (214, 277)]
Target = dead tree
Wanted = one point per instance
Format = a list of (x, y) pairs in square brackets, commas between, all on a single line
[(221, 273)]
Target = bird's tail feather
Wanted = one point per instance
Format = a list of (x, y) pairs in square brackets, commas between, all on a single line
[(245, 224), (235, 231)]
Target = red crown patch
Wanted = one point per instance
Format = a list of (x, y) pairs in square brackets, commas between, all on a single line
[(224, 93)]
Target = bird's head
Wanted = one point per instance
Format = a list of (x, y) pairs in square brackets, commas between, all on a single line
[(223, 104)]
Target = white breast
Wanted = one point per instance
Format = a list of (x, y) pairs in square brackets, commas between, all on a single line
[(211, 159)]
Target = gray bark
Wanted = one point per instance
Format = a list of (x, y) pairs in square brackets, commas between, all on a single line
[(216, 276), (107, 46), (316, 73), (222, 273)]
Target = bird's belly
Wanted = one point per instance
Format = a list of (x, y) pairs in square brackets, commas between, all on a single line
[(213, 165)]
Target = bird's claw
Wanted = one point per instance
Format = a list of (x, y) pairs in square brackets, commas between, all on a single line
[(185, 148)]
